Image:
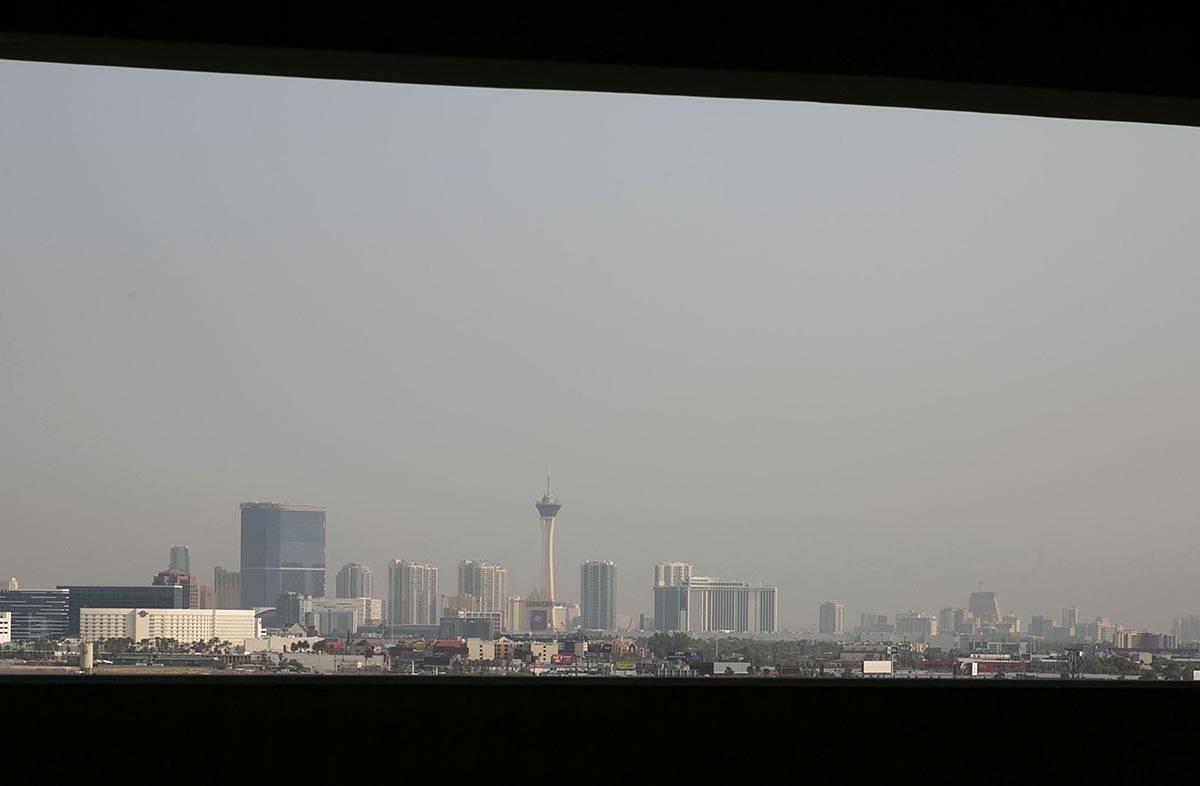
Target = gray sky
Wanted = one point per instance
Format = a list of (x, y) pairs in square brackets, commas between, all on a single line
[(878, 355)]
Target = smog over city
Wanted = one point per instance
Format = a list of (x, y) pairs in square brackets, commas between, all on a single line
[(879, 356)]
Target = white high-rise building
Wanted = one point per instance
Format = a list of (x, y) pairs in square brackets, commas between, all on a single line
[(915, 624), (13, 584), (597, 595), (672, 574), (412, 593), (703, 603), (488, 584), (5, 627), (832, 617)]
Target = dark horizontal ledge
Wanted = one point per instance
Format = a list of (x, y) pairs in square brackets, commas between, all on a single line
[(615, 77)]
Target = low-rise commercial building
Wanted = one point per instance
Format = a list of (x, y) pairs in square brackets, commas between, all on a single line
[(506, 649), (481, 650), (459, 624), (541, 651), (325, 663)]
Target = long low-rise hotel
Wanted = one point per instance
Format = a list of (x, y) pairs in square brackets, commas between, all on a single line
[(183, 625)]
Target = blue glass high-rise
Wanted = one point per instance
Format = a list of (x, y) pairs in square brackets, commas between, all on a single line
[(283, 550)]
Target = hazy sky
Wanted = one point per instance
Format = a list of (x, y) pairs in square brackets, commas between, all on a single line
[(878, 355)]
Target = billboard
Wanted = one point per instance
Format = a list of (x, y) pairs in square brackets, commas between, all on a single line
[(537, 619), (562, 660), (877, 667)]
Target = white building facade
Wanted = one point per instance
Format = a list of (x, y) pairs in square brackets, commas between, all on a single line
[(412, 593), (183, 625), (488, 584), (671, 574), (481, 650), (704, 604)]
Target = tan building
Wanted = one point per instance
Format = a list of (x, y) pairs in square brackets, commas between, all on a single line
[(172, 577), (543, 650), (505, 649), (227, 586), (481, 650)]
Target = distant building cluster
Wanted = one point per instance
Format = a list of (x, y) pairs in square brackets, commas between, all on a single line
[(981, 622), (275, 612)]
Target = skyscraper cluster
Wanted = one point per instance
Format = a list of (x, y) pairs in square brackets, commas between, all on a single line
[(282, 579)]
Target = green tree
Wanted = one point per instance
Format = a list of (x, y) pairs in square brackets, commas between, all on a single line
[(663, 644)]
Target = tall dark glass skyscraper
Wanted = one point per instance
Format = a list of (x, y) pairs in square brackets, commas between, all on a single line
[(283, 550)]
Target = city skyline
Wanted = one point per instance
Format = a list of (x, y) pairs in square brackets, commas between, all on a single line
[(828, 620), (862, 353)]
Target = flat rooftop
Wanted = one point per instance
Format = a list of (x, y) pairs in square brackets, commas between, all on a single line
[(281, 506)]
